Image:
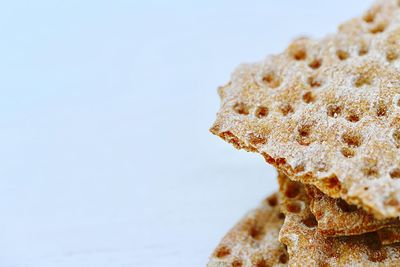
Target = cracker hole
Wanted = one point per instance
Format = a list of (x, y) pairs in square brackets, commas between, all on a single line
[(396, 137), (310, 221), (313, 82), (304, 133), (352, 139), (363, 51), (362, 79), (333, 110), (241, 108), (308, 97), (258, 261), (378, 28), (315, 64), (255, 139), (395, 173), (391, 55), (261, 112), (381, 109), (256, 232), (292, 190), (369, 17), (237, 263), (286, 109), (353, 117), (304, 130), (281, 215), (283, 258), (222, 252), (347, 152), (299, 53), (272, 201), (342, 55), (261, 263), (332, 182), (294, 207), (271, 80), (344, 206)]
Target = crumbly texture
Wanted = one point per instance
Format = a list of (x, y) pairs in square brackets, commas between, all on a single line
[(337, 218), (254, 240), (327, 112), (306, 247)]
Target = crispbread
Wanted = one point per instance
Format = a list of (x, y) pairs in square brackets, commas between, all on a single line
[(327, 112), (254, 240), (308, 248), (337, 218)]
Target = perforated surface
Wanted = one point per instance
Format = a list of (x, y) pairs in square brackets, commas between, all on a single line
[(327, 112), (254, 240), (337, 218), (306, 247)]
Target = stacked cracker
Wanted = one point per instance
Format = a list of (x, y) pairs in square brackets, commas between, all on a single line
[(326, 114)]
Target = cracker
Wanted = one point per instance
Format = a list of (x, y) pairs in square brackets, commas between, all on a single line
[(337, 218), (327, 112), (306, 247), (254, 240)]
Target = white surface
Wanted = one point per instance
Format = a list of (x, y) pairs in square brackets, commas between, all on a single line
[(105, 109)]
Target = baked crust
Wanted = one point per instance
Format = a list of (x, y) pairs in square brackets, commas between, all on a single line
[(306, 247), (337, 218), (254, 240), (327, 112)]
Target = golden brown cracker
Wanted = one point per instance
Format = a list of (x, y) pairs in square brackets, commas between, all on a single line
[(337, 218), (306, 247), (327, 112), (254, 240)]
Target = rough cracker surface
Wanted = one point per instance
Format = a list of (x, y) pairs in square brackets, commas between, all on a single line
[(306, 247), (337, 218), (254, 240), (327, 112)]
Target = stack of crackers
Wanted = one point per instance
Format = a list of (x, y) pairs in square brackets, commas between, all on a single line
[(326, 114)]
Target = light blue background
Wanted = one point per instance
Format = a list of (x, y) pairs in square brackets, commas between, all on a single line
[(106, 158)]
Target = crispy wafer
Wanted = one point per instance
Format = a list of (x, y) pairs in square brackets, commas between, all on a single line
[(306, 247), (327, 112), (254, 240), (337, 218)]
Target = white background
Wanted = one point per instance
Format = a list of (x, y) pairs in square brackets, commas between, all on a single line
[(106, 158)]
